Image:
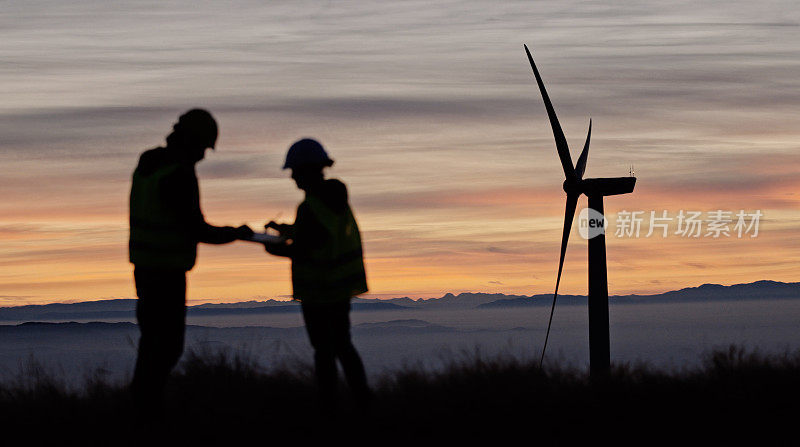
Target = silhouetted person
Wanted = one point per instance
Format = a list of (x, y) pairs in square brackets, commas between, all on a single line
[(166, 224), (327, 270)]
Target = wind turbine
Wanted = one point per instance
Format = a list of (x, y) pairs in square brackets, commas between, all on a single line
[(594, 189)]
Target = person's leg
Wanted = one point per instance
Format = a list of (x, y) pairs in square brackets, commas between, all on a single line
[(348, 355), (161, 314), (319, 333)]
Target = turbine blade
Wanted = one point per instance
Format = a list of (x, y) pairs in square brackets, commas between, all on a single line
[(569, 215), (561, 141), (580, 166)]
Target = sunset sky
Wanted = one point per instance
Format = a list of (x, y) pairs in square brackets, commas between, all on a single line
[(436, 125)]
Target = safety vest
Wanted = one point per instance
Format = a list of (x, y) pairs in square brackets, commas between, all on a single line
[(334, 271), (157, 238)]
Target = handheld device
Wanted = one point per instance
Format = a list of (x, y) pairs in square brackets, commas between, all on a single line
[(264, 238)]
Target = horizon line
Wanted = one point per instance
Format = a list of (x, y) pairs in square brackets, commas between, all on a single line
[(416, 299)]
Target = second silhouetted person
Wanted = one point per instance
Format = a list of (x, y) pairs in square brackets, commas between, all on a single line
[(327, 269)]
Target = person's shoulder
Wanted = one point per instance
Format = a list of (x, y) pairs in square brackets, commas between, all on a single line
[(150, 160), (151, 154), (332, 195), (178, 174), (154, 151), (303, 207), (335, 192), (335, 184)]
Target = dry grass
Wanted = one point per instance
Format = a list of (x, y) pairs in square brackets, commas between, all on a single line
[(222, 397)]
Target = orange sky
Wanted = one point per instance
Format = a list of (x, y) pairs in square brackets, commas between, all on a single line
[(435, 124)]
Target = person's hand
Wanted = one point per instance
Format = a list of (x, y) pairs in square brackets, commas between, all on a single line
[(278, 248), (244, 232), (283, 229)]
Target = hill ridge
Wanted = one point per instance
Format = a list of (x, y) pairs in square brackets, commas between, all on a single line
[(125, 308)]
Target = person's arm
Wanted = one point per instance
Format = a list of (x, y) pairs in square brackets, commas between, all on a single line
[(304, 235), (187, 200), (283, 248), (210, 234)]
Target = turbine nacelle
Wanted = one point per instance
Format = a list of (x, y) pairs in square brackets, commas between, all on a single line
[(600, 186)]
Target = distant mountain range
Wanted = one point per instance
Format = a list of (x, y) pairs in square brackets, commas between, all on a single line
[(759, 290), (125, 308)]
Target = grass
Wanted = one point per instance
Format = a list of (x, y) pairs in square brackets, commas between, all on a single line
[(224, 398)]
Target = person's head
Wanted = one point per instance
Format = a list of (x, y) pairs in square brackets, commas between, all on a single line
[(307, 159), (195, 131)]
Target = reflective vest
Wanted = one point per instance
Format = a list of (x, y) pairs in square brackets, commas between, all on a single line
[(157, 237), (334, 271)]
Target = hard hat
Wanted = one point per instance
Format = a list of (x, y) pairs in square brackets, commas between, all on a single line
[(306, 152), (199, 126)]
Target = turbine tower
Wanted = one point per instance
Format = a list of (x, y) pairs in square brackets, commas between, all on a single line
[(594, 189)]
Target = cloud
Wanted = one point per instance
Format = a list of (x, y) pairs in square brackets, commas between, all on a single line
[(697, 265)]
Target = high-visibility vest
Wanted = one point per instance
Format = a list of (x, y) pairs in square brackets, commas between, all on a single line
[(157, 237), (334, 271)]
